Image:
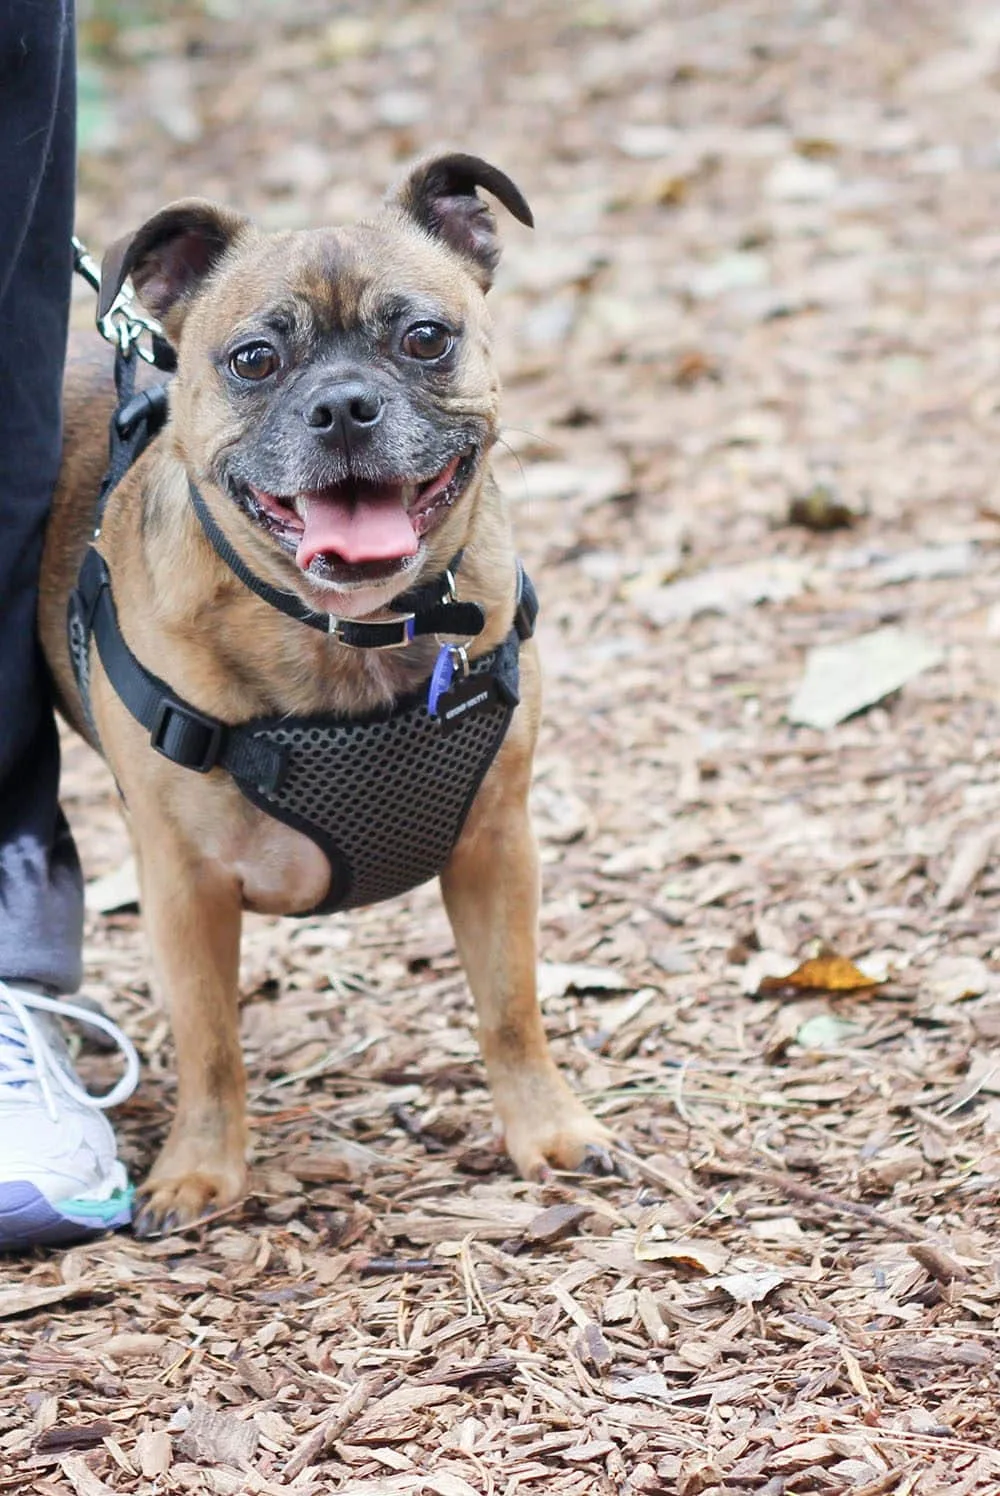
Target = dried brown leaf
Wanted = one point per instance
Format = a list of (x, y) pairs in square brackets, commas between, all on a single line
[(700, 1254), (824, 973), (218, 1438)]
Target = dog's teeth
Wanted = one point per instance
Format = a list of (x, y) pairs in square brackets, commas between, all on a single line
[(410, 491), (301, 506)]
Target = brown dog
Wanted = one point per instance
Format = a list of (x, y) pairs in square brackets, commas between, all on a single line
[(335, 403)]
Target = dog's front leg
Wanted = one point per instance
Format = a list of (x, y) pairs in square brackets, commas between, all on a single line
[(193, 915), (490, 889)]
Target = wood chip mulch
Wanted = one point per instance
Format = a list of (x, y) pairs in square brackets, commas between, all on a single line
[(765, 274)]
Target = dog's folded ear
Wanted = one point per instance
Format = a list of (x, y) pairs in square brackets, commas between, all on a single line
[(440, 194), (169, 257)]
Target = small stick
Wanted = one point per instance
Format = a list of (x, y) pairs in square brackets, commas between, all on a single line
[(826, 1201), (398, 1265), (326, 1432)]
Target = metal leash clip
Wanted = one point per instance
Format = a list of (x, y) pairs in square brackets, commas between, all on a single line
[(124, 325)]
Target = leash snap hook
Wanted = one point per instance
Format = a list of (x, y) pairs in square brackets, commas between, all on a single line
[(124, 324)]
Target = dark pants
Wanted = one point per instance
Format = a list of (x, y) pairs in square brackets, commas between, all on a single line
[(41, 905)]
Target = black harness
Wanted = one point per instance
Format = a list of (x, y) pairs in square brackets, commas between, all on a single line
[(384, 795)]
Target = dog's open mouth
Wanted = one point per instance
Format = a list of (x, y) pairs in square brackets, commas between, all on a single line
[(359, 530)]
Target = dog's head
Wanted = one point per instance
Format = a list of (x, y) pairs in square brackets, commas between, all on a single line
[(336, 386)]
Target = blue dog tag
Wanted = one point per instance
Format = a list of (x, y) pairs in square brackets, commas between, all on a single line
[(445, 667)]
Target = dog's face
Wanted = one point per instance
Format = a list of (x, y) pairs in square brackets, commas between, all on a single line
[(336, 386)]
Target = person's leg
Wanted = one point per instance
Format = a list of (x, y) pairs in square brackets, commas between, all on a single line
[(60, 1177), (41, 899)]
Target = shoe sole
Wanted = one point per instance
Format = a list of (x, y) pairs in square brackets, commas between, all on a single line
[(28, 1219)]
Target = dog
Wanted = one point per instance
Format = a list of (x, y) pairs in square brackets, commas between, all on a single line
[(334, 406)]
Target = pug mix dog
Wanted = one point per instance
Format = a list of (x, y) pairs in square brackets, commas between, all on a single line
[(325, 462)]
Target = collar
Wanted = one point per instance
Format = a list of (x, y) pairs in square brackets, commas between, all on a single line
[(431, 608)]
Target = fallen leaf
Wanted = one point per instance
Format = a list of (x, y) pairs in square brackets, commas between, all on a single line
[(749, 1288), (558, 980), (725, 589), (951, 979), (218, 1438), (702, 1256), (821, 508), (827, 972), (116, 892), (842, 679), (825, 1031)]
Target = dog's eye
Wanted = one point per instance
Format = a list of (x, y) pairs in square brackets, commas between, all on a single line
[(427, 340), (255, 361)]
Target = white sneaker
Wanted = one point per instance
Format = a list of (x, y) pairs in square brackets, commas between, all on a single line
[(60, 1176)]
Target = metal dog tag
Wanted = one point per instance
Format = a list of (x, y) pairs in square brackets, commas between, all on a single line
[(467, 698)]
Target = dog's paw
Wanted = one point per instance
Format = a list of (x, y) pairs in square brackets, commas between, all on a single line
[(165, 1204), (551, 1129)]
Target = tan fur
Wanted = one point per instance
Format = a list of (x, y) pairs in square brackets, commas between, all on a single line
[(204, 852)]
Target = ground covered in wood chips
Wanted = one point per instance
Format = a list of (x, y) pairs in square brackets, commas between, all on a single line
[(751, 358)]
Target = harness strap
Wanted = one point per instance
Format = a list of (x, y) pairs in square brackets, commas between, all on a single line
[(138, 418), (187, 737), (178, 730), (424, 610)]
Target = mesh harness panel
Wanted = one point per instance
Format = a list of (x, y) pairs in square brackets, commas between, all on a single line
[(384, 796)]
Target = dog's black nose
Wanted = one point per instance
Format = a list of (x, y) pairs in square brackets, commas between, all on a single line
[(347, 408)]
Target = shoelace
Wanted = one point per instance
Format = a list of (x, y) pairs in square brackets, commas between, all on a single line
[(25, 1054)]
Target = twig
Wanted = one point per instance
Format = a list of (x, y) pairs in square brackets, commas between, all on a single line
[(823, 1198), (319, 1439), (371, 1265)]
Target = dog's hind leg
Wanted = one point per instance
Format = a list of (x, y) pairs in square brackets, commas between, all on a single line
[(490, 888), (193, 915)]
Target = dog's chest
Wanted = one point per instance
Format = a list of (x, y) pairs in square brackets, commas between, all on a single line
[(280, 869)]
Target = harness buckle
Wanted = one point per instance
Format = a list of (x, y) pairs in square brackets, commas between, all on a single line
[(185, 736)]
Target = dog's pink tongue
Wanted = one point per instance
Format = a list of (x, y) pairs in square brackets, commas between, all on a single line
[(373, 528)]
